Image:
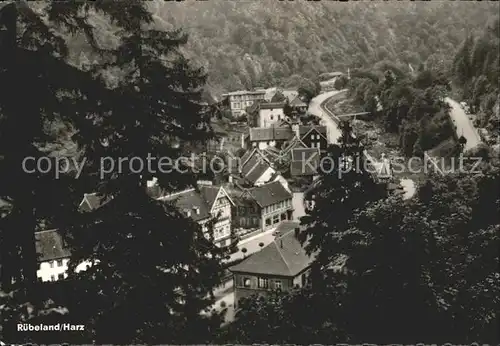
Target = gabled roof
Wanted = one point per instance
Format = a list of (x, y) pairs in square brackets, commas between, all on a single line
[(285, 256), (50, 246), (188, 200), (305, 161), (297, 102), (254, 167), (290, 94), (270, 133), (269, 194), (93, 201), (272, 105), (305, 130), (294, 143), (202, 198)]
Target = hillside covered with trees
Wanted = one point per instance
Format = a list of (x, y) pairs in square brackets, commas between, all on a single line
[(245, 44)]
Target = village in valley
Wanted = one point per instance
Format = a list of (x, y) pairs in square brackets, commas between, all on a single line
[(272, 159), (225, 172)]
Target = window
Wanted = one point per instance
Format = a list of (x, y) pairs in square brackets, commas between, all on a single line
[(60, 277), (52, 278), (276, 219), (263, 283), (278, 285), (272, 117), (283, 216), (52, 264), (268, 222), (255, 221), (246, 282), (59, 263)]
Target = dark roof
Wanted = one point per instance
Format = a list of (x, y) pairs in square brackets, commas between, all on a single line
[(50, 246), (303, 154), (297, 102), (261, 134), (272, 105), (93, 201), (209, 194), (269, 193), (285, 256), (257, 172), (270, 133), (305, 129), (188, 200), (202, 198)]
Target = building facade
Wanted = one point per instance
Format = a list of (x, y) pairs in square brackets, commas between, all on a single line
[(268, 205), (270, 114), (203, 204), (282, 265), (240, 100)]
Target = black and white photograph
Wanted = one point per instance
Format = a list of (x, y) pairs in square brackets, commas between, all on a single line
[(239, 172)]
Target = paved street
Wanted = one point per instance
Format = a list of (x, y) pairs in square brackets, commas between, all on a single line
[(316, 108), (252, 244), (464, 124)]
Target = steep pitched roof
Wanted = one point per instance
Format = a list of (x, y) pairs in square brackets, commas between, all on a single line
[(93, 201), (290, 94), (304, 130), (297, 102), (270, 133), (285, 256), (269, 193), (50, 246), (187, 200)]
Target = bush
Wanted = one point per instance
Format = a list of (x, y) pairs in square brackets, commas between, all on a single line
[(223, 304)]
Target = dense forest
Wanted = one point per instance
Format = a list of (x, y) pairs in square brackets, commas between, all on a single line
[(246, 43), (476, 72)]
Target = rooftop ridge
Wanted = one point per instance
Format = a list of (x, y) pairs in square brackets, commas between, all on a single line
[(162, 198), (278, 247)]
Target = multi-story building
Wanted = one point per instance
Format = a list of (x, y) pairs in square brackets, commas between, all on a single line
[(264, 206), (281, 265), (264, 137), (203, 204), (240, 100)]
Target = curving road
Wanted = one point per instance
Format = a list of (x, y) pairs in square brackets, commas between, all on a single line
[(464, 124), (316, 107)]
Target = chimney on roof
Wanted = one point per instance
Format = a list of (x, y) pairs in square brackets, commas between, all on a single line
[(196, 210), (296, 232)]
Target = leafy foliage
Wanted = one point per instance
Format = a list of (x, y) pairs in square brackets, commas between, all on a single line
[(411, 105), (248, 44), (387, 264), (152, 269), (476, 73)]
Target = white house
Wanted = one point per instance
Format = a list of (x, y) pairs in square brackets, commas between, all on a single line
[(53, 252), (270, 114), (54, 256)]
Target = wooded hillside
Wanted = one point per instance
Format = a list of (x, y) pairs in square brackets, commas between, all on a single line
[(244, 44)]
